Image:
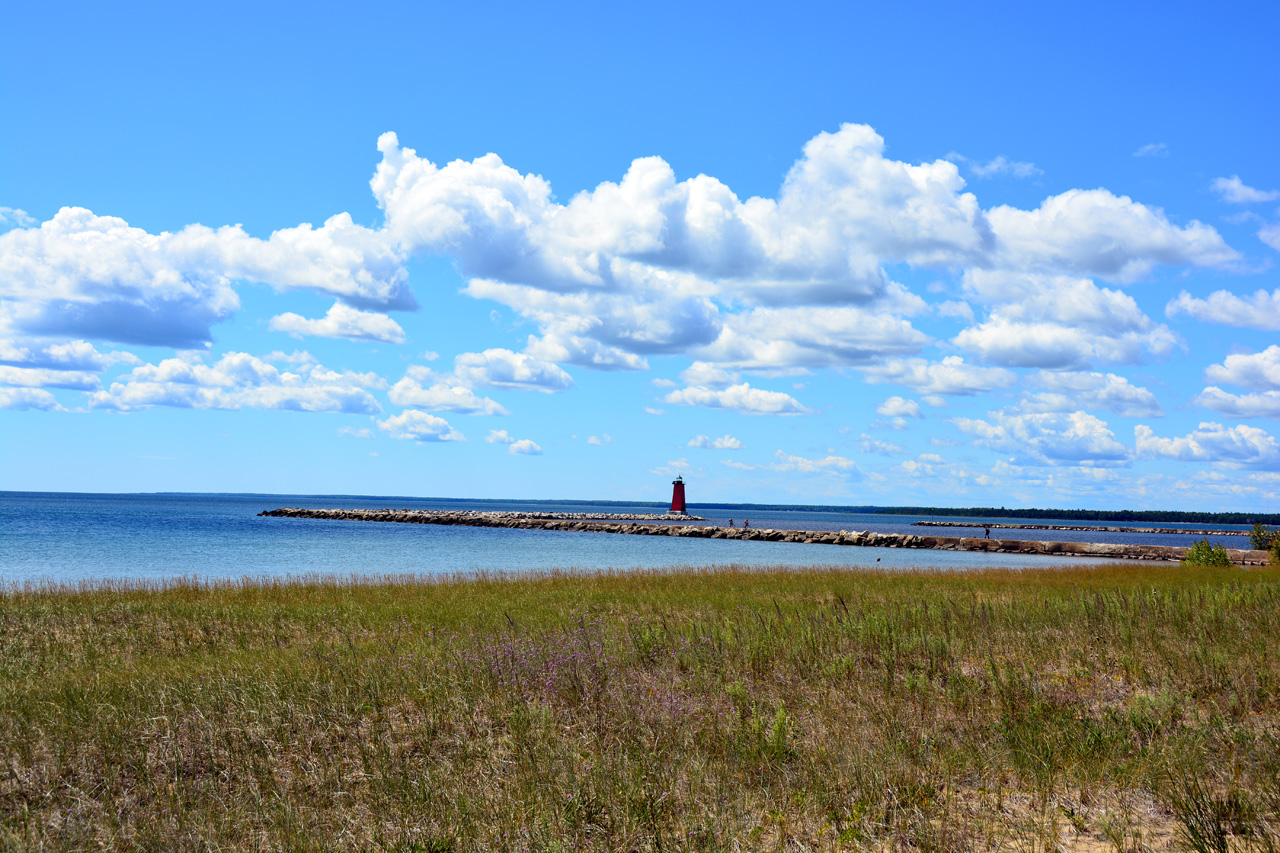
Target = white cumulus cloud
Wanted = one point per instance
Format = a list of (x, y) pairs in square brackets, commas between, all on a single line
[(70, 355), (1058, 322), (843, 206), (85, 276), (524, 447), (1270, 234), (584, 351), (1259, 310), (44, 377), (724, 442), (1096, 233), (502, 368), (899, 407), (28, 398), (1236, 191), (827, 464), (413, 425), (629, 271), (651, 264), (1075, 438), (515, 446), (705, 375), (1261, 404), (1067, 392), (239, 380), (1002, 165), (673, 468), (804, 337), (1259, 370), (645, 311), (441, 395), (951, 376), (1238, 446), (740, 398), (12, 217), (870, 444), (342, 321)]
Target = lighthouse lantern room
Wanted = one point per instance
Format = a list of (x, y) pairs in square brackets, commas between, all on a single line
[(677, 497)]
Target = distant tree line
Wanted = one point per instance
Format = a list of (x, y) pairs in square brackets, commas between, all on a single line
[(1093, 515), (1107, 515)]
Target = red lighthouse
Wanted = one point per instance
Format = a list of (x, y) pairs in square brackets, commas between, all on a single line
[(677, 497)]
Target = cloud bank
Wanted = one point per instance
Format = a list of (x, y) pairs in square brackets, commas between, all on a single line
[(749, 295)]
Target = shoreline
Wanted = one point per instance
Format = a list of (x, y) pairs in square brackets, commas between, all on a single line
[(352, 581), (1164, 553), (1084, 527)]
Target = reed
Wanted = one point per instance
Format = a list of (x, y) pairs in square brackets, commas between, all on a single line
[(1125, 707)]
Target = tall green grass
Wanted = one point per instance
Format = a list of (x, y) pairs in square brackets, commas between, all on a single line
[(690, 710)]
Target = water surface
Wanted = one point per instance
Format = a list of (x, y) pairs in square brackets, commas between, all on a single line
[(73, 537)]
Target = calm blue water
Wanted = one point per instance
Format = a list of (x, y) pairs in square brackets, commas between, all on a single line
[(74, 537)]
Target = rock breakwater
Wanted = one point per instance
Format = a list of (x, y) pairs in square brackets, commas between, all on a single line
[(588, 524), (1086, 527), (469, 517)]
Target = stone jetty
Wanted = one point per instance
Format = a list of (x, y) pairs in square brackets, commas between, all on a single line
[(1086, 527), (472, 518), (585, 523)]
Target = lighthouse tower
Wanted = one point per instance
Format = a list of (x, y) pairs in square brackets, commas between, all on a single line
[(677, 497)]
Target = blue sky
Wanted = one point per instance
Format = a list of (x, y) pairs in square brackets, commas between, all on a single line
[(802, 253)]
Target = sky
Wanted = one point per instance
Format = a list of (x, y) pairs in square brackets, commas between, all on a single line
[(936, 254)]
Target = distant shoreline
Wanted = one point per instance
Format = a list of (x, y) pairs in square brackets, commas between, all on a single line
[(1032, 513), (1082, 527)]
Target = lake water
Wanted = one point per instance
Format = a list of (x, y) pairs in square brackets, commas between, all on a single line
[(73, 537)]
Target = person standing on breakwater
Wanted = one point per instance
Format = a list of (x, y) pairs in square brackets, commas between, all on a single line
[(988, 532), (746, 522), (731, 522)]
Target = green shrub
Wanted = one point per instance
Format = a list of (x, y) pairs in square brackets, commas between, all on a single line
[(1204, 554), (1262, 538)]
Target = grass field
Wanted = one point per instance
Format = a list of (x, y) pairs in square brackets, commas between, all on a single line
[(1117, 708)]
